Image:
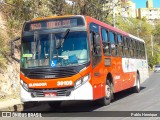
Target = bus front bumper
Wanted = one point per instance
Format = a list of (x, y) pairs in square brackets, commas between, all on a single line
[(84, 92)]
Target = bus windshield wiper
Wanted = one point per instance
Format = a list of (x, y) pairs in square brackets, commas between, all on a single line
[(65, 34)]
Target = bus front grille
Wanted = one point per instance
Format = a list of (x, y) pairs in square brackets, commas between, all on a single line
[(49, 73)]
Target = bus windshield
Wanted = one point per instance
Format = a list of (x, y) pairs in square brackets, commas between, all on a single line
[(54, 50)]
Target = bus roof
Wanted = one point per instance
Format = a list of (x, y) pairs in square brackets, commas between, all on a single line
[(114, 29), (50, 17), (107, 26), (134, 37), (92, 19)]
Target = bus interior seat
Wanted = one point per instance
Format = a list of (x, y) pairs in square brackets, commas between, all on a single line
[(80, 54)]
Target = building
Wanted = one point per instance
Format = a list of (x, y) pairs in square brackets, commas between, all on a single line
[(149, 4), (127, 9), (149, 13), (131, 11), (123, 8)]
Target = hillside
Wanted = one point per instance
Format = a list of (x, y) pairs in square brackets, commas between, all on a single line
[(9, 70)]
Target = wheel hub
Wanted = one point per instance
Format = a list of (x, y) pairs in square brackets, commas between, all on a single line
[(108, 91)]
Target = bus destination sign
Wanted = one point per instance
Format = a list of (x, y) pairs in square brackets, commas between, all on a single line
[(53, 23)]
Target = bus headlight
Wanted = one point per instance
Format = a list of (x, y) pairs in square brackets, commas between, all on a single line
[(81, 81), (24, 85)]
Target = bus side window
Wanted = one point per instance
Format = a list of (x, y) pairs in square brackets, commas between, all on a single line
[(136, 54), (112, 37), (95, 44), (140, 50), (120, 45), (91, 39), (105, 42), (128, 47), (95, 48), (137, 49), (143, 48), (125, 47), (132, 48)]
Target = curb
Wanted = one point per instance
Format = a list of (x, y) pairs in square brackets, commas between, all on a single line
[(17, 107), (21, 107), (11, 104)]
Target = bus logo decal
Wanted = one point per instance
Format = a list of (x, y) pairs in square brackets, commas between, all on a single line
[(37, 84)]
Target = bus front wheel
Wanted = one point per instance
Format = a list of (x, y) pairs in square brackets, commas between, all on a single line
[(109, 95)]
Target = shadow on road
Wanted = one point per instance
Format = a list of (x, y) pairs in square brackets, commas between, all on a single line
[(76, 106), (88, 106), (125, 93)]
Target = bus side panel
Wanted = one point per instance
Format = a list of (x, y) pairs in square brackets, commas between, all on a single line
[(98, 81), (97, 74), (117, 73), (129, 70), (115, 70), (142, 67)]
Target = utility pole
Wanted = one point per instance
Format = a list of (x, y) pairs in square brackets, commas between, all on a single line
[(113, 10), (152, 44)]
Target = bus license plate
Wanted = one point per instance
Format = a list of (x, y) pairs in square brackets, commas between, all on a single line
[(50, 94)]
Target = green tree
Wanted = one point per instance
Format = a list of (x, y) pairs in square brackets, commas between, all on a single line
[(99, 9), (153, 60), (156, 33)]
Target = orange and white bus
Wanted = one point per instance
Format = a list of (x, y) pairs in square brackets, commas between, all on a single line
[(78, 58)]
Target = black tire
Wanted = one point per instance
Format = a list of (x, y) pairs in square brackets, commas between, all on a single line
[(55, 104), (137, 88), (109, 95)]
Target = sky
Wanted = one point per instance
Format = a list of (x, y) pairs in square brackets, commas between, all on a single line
[(142, 3)]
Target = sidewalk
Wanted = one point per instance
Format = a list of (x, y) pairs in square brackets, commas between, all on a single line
[(11, 105)]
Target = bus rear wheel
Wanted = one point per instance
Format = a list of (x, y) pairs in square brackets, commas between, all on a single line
[(55, 104), (137, 88), (109, 95)]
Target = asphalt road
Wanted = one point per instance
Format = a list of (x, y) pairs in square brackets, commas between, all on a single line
[(147, 100)]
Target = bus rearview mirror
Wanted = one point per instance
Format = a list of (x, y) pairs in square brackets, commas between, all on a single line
[(13, 48)]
